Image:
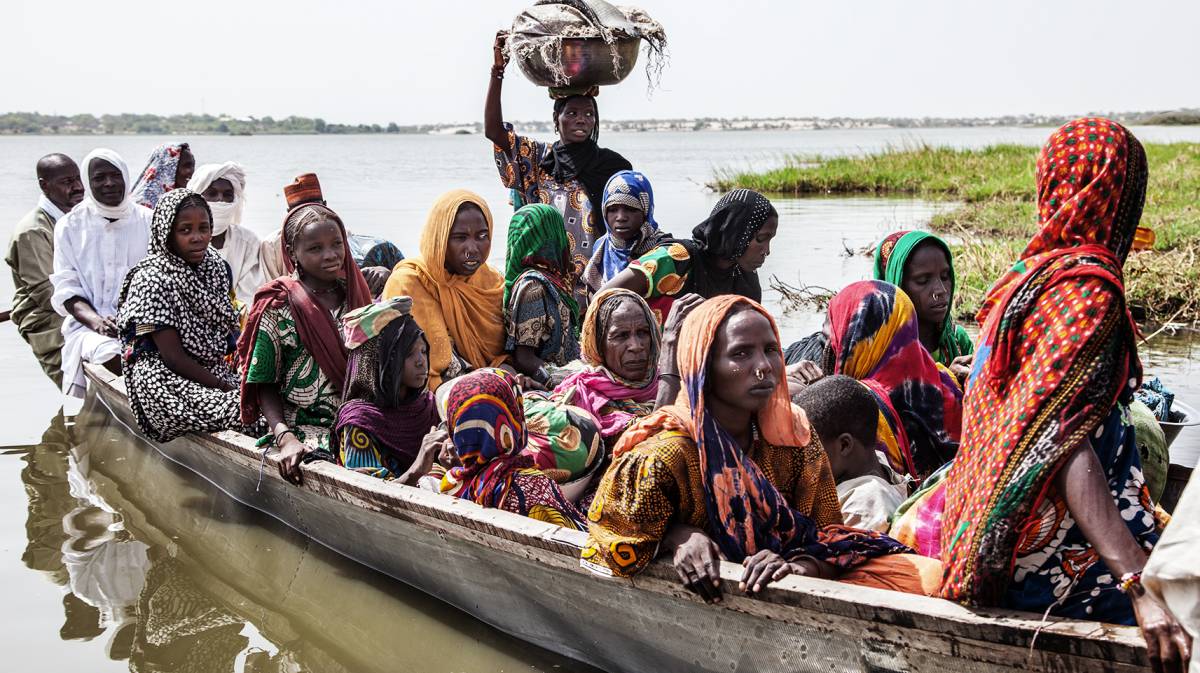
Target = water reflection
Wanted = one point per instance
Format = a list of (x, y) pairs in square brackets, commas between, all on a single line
[(173, 576)]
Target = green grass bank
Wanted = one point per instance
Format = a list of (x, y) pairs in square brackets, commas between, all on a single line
[(997, 216)]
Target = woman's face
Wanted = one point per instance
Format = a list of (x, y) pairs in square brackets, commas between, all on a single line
[(624, 222), (928, 283), (576, 121), (220, 191), (416, 366), (191, 234), (185, 168), (628, 342), (746, 362), (760, 246), (469, 243), (320, 251)]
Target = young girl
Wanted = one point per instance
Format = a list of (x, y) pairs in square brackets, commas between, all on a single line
[(292, 358), (388, 408), (177, 325)]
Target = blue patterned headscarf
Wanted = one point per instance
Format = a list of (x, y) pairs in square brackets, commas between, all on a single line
[(627, 188)]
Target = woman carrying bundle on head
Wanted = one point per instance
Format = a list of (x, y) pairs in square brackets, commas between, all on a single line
[(458, 299), (387, 407), (569, 174), (723, 256), (177, 325), (733, 470), (291, 352)]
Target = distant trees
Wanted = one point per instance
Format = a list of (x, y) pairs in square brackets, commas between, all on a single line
[(13, 123)]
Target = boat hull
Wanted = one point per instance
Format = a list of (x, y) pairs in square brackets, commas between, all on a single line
[(523, 577)]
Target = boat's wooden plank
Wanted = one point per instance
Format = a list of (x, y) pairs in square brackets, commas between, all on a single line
[(886, 630)]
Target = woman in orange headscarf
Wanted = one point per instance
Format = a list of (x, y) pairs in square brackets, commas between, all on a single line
[(457, 297), (736, 467)]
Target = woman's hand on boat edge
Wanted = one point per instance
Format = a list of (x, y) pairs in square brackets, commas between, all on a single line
[(697, 561), (1168, 646), (291, 452), (433, 447), (766, 566)]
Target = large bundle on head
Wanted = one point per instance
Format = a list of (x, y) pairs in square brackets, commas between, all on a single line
[(573, 45)]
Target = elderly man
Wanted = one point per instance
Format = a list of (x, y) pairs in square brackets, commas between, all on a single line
[(94, 247), (31, 256)]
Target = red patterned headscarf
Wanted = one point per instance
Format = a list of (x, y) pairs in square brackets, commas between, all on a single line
[(1058, 349)]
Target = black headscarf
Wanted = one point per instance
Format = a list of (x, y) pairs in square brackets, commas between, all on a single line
[(725, 235), (586, 160), (395, 342)]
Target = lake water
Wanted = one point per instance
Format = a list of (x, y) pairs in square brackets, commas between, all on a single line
[(381, 185)]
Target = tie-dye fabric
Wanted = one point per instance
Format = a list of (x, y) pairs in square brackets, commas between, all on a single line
[(874, 338)]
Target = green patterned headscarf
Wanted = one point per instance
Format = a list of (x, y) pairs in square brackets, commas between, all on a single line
[(891, 256), (537, 241)]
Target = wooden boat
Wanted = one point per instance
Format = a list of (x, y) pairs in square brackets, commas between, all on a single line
[(525, 580)]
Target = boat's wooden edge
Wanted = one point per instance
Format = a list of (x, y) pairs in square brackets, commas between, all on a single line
[(523, 535)]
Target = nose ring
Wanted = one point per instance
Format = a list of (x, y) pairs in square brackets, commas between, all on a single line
[(758, 374)]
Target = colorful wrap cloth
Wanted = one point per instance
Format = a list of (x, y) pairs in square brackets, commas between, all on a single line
[(875, 338), (891, 258), (746, 513), (382, 422), (631, 189), (158, 177), (1057, 351)]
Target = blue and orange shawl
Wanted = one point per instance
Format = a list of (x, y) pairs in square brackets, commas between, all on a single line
[(875, 338), (746, 513), (1058, 350)]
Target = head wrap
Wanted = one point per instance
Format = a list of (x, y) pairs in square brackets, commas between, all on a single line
[(537, 241), (746, 513), (891, 258), (486, 421), (379, 338), (225, 215), (305, 189), (1058, 350), (315, 327), (586, 161), (89, 200), (170, 292), (158, 177), (631, 189), (875, 338), (612, 400), (469, 306), (734, 221)]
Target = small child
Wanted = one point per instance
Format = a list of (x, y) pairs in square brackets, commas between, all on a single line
[(845, 417)]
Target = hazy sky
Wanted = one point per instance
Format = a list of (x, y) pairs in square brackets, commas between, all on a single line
[(411, 62)]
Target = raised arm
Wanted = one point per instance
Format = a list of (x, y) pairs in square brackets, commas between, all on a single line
[(493, 113), (629, 279)]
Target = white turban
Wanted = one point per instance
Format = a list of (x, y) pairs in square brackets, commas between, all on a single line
[(225, 215), (89, 201)]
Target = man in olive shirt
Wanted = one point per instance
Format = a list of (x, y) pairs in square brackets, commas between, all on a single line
[(31, 256)]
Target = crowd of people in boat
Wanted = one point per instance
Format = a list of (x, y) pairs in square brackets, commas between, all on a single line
[(626, 381)]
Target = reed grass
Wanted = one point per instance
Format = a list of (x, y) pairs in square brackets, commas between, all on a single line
[(997, 215)]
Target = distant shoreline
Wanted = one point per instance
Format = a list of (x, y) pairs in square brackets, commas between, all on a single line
[(33, 123)]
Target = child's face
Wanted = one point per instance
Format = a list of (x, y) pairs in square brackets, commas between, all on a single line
[(847, 456)]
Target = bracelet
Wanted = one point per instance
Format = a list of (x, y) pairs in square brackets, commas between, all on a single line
[(670, 375), (497, 72), (1131, 583), (285, 432)]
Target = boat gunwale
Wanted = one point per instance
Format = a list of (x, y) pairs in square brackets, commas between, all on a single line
[(512, 533)]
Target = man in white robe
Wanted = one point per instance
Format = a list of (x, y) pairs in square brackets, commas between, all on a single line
[(223, 186), (95, 245)]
